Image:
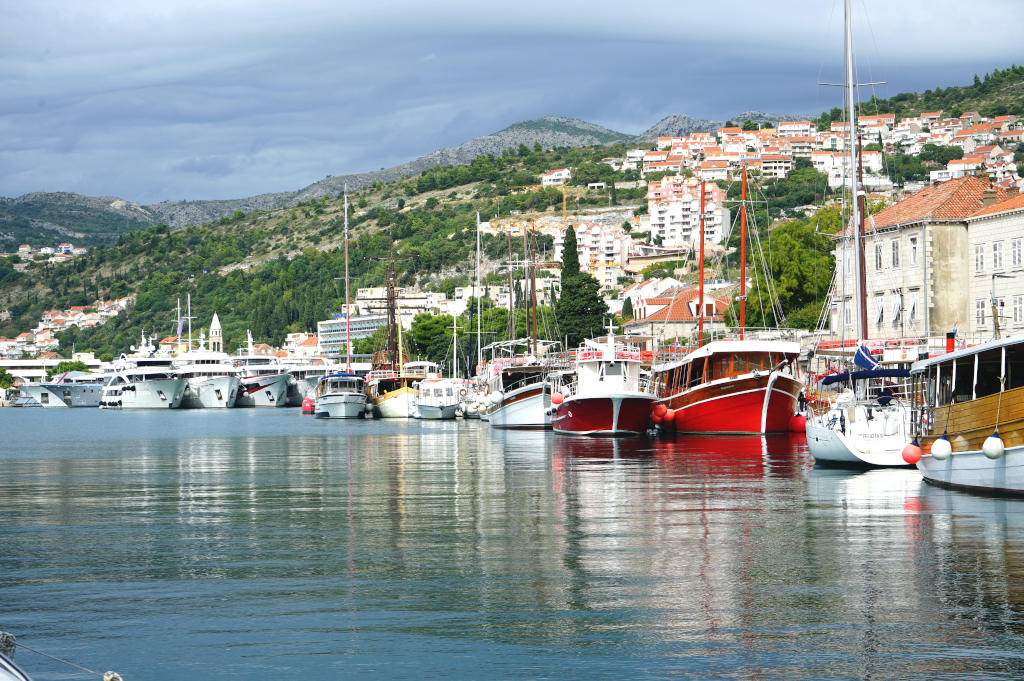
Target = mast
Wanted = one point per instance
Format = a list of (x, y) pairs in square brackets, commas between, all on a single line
[(700, 276), (533, 287), (188, 314), (511, 298), (743, 253), (348, 311), (479, 351), (851, 117), (455, 347), (526, 276)]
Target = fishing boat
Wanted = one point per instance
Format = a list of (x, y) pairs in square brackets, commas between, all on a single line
[(264, 380), (68, 389), (604, 394), (969, 417), (437, 398), (340, 396)]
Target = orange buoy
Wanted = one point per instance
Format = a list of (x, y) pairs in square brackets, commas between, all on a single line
[(557, 398), (912, 453), (660, 410), (307, 405)]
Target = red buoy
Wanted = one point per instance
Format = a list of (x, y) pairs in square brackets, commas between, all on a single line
[(798, 423), (669, 417), (660, 410), (656, 417), (308, 405), (912, 453), (557, 398)]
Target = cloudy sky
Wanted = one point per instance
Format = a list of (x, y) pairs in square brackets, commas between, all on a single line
[(217, 99)]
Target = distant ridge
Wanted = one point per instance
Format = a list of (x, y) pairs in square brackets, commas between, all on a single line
[(680, 125)]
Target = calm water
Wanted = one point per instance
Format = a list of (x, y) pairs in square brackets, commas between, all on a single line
[(262, 544)]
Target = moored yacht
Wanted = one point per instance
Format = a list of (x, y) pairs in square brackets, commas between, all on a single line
[(143, 381), (213, 381), (340, 396), (69, 389), (437, 398), (515, 388), (264, 380), (605, 394)]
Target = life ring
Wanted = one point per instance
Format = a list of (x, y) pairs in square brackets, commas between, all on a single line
[(462, 392)]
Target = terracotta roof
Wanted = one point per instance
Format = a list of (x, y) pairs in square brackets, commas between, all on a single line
[(952, 200), (677, 308), (1009, 204)]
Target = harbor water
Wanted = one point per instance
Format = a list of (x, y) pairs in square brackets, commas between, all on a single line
[(262, 544)]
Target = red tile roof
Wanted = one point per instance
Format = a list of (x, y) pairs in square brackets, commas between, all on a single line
[(1013, 203), (951, 200)]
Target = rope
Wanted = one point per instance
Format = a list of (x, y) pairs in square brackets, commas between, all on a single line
[(9, 640)]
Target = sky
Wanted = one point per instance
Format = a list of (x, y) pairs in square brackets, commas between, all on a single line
[(224, 99)]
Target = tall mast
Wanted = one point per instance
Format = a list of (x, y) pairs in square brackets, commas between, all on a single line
[(479, 351), (188, 316), (743, 253), (455, 347), (511, 298), (348, 311), (851, 117), (700, 276), (533, 287), (526, 276)]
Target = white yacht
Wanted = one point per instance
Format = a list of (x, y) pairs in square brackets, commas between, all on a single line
[(69, 389), (341, 396), (143, 381), (264, 380), (213, 381)]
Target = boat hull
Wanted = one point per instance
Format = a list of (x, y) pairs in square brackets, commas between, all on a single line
[(524, 408), (397, 404), (62, 396), (263, 391), (973, 471), (737, 406), (158, 394), (604, 415), (830, 446), (211, 393), (434, 412), (340, 406)]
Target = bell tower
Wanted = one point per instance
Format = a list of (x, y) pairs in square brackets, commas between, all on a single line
[(216, 335)]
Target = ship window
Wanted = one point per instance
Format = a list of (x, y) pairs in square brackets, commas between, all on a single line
[(44, 398), (945, 383), (696, 372), (1014, 366), (613, 369), (964, 384), (989, 368)]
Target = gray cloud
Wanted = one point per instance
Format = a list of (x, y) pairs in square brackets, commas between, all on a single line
[(229, 98)]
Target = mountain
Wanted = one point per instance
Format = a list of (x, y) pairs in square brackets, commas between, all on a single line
[(680, 125), (47, 218), (549, 132)]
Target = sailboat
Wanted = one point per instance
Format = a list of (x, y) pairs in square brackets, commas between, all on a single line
[(390, 381), (342, 395), (860, 427), (737, 386)]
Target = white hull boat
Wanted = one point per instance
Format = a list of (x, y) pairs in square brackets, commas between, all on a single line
[(523, 408), (269, 390), (340, 396), (211, 392), (65, 392)]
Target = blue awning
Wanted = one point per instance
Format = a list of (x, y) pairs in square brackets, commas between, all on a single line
[(864, 375)]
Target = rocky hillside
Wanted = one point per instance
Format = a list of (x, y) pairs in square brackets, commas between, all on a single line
[(680, 125), (41, 219)]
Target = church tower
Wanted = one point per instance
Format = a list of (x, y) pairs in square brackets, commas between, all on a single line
[(216, 335)]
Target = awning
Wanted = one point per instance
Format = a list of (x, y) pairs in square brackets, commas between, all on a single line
[(864, 375)]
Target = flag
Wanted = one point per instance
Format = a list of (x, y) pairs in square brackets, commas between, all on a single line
[(864, 359)]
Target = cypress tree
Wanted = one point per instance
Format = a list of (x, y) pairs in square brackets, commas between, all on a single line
[(580, 310)]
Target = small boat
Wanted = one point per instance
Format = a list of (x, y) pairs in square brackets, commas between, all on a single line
[(869, 430), (516, 391), (605, 394), (10, 671), (340, 396), (69, 389), (437, 398), (969, 416)]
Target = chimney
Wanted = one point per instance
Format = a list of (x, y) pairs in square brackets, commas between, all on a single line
[(988, 197)]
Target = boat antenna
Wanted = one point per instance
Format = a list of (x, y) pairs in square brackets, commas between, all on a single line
[(348, 311)]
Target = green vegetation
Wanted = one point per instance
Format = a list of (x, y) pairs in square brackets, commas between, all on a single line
[(6, 380), (65, 366), (580, 310)]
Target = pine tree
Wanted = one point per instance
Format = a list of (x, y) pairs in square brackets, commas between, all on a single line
[(580, 310), (627, 309)]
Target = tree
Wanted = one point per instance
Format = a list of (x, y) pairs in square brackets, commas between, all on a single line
[(6, 380), (749, 125), (66, 365), (580, 310), (627, 309)]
